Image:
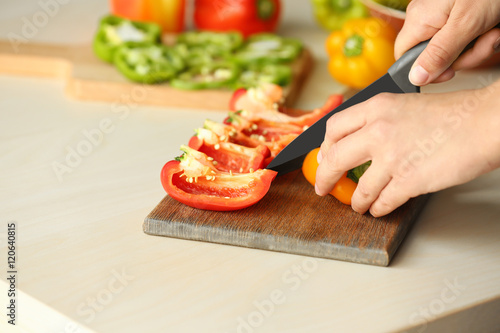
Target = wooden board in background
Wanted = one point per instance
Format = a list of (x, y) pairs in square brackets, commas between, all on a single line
[(292, 218), (89, 78)]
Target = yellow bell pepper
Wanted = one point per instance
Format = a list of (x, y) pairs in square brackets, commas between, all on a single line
[(361, 52)]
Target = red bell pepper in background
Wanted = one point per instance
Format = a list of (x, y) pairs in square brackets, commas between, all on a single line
[(246, 16), (194, 181)]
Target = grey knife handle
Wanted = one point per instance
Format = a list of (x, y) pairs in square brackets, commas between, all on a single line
[(401, 68)]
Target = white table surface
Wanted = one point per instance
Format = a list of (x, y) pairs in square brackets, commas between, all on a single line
[(84, 263)]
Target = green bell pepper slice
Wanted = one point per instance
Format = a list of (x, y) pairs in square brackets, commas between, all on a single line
[(215, 42), (255, 75), (146, 62), (198, 55), (268, 48), (113, 31), (208, 76), (332, 14)]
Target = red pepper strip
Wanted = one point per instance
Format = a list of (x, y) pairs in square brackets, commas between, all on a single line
[(235, 97), (262, 103), (275, 135), (229, 156), (308, 118)]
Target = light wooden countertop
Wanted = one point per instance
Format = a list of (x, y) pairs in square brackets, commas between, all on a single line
[(84, 263)]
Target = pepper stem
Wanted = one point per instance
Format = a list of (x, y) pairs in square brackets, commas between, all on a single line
[(266, 9), (353, 46)]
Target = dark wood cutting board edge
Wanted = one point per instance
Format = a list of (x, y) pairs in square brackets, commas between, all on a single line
[(291, 218)]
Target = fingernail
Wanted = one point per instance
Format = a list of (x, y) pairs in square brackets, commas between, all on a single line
[(319, 157), (316, 189), (496, 46), (419, 76)]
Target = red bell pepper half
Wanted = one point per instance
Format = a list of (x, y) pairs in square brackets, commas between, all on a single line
[(194, 181)]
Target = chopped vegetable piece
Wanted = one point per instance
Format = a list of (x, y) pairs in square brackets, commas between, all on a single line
[(223, 42), (215, 75), (194, 181), (252, 140), (275, 135), (268, 48), (146, 62), (263, 103), (114, 31), (235, 97), (195, 56), (229, 156), (257, 74)]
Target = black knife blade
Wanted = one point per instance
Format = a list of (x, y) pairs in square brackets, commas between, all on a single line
[(395, 81)]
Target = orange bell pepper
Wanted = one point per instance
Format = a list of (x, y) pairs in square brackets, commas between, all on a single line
[(169, 14), (345, 186)]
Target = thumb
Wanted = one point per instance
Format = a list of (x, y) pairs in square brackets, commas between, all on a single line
[(442, 50)]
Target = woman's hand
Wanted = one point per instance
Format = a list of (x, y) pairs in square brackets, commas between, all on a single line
[(418, 143), (451, 25)]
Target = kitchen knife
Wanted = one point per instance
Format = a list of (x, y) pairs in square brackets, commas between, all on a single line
[(395, 81)]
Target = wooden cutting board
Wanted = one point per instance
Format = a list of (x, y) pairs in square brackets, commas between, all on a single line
[(292, 218), (89, 78)]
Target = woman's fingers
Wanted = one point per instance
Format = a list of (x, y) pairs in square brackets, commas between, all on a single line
[(341, 156), (450, 26), (353, 136), (420, 24), (481, 51), (340, 125), (445, 76), (443, 49), (390, 198), (373, 181)]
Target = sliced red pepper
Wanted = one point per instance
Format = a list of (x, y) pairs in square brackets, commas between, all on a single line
[(195, 182), (239, 137), (308, 118), (264, 103), (228, 156), (275, 135), (264, 96), (235, 97), (263, 129), (232, 134)]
